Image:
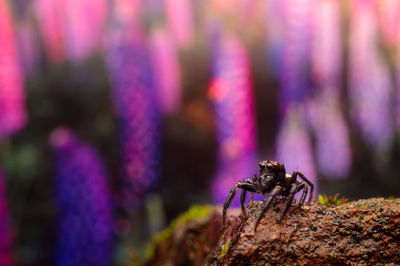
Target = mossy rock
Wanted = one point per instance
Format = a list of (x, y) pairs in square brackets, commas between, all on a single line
[(195, 213), (360, 232)]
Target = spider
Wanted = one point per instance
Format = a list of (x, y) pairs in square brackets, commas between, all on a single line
[(273, 180)]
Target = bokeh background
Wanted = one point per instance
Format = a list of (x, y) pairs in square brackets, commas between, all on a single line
[(117, 115)]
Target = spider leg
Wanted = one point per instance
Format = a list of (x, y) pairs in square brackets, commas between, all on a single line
[(251, 197), (242, 200), (311, 185), (231, 195), (268, 201), (303, 196), (292, 192)]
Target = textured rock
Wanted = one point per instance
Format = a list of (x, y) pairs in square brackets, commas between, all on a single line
[(360, 232)]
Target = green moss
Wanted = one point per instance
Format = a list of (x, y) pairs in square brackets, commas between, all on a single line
[(313, 226), (330, 201), (345, 232), (195, 212), (365, 257), (333, 254), (224, 249)]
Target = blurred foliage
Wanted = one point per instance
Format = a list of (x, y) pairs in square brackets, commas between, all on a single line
[(330, 201)]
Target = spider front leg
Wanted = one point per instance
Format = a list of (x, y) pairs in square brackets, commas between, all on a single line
[(311, 185), (244, 186), (268, 201), (303, 196), (292, 192), (242, 200)]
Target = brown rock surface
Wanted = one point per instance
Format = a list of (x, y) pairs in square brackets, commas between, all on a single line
[(360, 232)]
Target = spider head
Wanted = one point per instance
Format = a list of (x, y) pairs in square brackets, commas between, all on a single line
[(272, 168)]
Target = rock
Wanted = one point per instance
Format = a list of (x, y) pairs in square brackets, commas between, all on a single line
[(360, 232)]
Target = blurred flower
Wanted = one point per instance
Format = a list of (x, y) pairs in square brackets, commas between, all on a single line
[(50, 16), (295, 76), (6, 250), (274, 31), (231, 92), (84, 26), (389, 20), (85, 219), (180, 21), (126, 11), (29, 49), (12, 99), (166, 70), (293, 145), (370, 87), (332, 140), (137, 109), (332, 144), (326, 46)]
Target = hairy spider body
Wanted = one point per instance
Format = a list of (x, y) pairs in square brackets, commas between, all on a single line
[(273, 180)]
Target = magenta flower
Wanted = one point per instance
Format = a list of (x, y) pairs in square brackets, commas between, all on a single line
[(84, 27), (51, 16), (180, 26), (12, 98)]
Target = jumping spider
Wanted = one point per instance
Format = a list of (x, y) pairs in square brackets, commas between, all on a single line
[(273, 180)]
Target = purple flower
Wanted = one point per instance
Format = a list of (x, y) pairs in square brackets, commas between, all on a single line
[(137, 110), (293, 145), (296, 52), (370, 87), (231, 92), (85, 218), (332, 140), (274, 31)]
